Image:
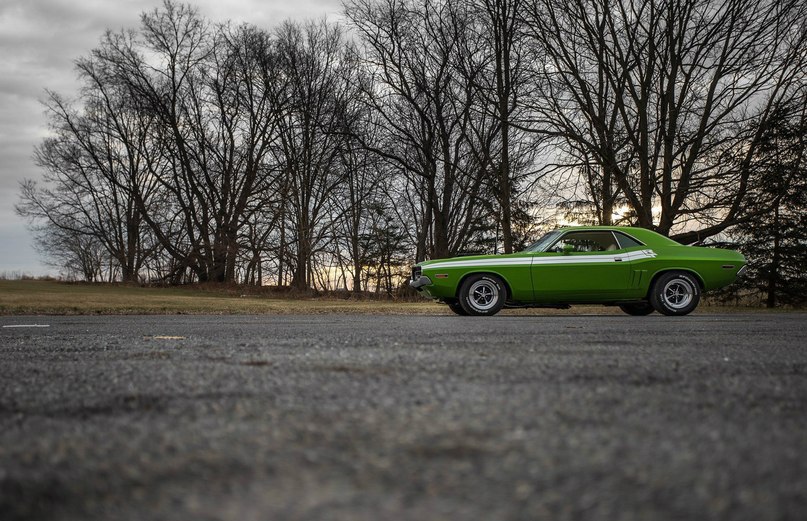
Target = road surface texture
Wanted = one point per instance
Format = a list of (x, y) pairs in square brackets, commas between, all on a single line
[(404, 417)]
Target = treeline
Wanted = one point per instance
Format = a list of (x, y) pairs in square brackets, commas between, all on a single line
[(320, 155)]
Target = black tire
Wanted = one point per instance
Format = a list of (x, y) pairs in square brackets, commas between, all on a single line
[(455, 306), (637, 309), (675, 293), (482, 295)]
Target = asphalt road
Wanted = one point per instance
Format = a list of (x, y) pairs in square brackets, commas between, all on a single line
[(404, 417)]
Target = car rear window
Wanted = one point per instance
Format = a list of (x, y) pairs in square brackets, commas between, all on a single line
[(626, 241)]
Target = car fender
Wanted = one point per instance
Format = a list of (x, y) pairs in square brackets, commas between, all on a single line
[(486, 271), (668, 269)]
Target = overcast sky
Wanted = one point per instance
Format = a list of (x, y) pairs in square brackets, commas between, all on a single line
[(39, 41)]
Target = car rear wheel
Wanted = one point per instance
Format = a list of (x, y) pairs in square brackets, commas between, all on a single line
[(675, 293), (482, 295), (637, 309), (455, 306)]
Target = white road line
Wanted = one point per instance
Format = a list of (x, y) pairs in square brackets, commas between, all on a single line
[(26, 325)]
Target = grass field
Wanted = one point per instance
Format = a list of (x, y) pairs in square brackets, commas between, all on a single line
[(50, 297), (41, 297)]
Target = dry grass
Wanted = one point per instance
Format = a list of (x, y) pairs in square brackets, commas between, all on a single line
[(60, 298), (44, 297)]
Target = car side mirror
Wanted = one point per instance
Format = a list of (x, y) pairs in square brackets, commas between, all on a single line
[(568, 248)]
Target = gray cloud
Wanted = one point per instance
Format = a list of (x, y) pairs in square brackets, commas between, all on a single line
[(39, 43)]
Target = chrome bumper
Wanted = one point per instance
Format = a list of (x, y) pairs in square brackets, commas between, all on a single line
[(419, 282)]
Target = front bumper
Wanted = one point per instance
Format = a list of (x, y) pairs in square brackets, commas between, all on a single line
[(419, 282)]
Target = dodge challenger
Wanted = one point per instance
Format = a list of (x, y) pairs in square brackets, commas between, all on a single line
[(634, 268)]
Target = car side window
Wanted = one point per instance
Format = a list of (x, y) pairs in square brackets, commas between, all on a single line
[(626, 241), (585, 241)]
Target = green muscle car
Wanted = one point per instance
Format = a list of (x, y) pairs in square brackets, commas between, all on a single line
[(636, 269)]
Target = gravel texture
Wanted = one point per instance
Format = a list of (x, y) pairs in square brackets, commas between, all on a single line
[(404, 418)]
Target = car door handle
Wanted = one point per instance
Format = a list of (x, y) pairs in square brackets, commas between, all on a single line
[(618, 259)]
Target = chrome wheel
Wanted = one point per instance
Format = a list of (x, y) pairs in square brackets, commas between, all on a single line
[(675, 293), (678, 293), (483, 295)]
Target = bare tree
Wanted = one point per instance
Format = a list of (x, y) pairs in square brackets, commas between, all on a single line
[(161, 71), (207, 90), (498, 63), (93, 165), (361, 197), (425, 108), (645, 96), (317, 64)]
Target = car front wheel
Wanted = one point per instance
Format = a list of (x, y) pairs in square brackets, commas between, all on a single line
[(675, 293), (482, 295)]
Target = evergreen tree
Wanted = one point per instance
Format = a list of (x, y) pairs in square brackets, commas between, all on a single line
[(775, 238)]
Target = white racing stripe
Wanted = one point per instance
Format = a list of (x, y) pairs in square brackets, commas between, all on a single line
[(532, 261)]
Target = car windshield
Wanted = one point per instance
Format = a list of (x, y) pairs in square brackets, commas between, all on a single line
[(543, 243)]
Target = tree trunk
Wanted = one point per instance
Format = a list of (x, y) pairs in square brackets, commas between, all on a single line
[(300, 279), (774, 271)]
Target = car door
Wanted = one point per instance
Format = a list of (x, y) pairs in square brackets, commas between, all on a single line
[(582, 265)]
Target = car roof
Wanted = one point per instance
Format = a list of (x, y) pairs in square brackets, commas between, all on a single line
[(648, 237)]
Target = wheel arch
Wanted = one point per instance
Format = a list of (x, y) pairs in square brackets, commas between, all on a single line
[(662, 271), (484, 272)]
